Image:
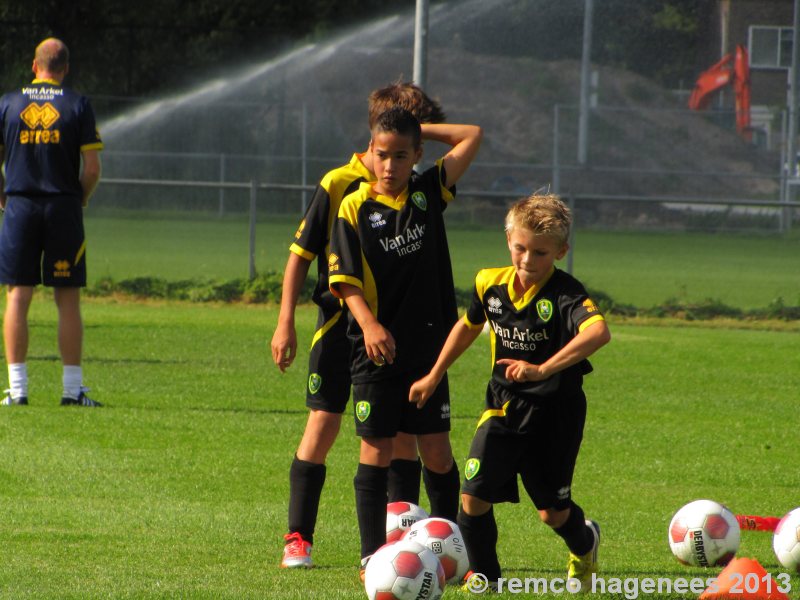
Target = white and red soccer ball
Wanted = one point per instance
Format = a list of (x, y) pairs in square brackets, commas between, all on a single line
[(786, 541), (400, 516), (404, 570), (704, 533), (443, 537)]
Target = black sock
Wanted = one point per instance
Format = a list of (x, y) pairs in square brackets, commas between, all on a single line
[(480, 538), (305, 488), (576, 534), (370, 486), (443, 491), (403, 481)]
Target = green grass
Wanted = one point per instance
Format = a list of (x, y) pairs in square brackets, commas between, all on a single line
[(179, 486), (643, 269)]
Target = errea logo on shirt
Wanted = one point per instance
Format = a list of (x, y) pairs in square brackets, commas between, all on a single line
[(333, 262), (495, 305), (300, 229), (376, 220)]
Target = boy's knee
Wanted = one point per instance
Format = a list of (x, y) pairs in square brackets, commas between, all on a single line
[(554, 518), (376, 451), (474, 506), (436, 453), (404, 446)]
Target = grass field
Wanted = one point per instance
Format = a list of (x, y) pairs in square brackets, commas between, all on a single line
[(643, 269), (179, 487)]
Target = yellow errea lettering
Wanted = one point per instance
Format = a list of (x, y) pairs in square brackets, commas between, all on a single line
[(23, 136)]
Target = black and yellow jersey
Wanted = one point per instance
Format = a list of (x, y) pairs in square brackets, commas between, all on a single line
[(312, 238), (532, 327), (395, 250), (44, 127)]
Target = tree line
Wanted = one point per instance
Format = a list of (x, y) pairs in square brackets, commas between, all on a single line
[(138, 48)]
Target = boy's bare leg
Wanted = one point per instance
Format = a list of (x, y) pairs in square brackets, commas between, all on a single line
[(15, 323)]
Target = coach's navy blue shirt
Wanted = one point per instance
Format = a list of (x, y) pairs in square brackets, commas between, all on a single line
[(44, 128)]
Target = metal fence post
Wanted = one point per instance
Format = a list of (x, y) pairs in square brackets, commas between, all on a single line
[(221, 188), (304, 157), (570, 252), (253, 193), (556, 169)]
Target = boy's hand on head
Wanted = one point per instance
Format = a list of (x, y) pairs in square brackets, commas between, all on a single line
[(284, 347), (379, 343), (519, 370)]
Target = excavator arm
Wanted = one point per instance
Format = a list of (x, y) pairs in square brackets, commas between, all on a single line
[(732, 70)]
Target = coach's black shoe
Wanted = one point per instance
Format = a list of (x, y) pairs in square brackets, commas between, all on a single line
[(81, 400), (9, 401)]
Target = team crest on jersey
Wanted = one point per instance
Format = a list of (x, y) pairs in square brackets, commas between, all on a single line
[(362, 410), (420, 200), (376, 220), (545, 309), (495, 305), (472, 468), (314, 382)]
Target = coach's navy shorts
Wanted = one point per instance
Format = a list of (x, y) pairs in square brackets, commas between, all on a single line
[(382, 408), (538, 442), (328, 385), (42, 241)]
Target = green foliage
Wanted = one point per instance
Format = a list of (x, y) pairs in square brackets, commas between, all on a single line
[(124, 48), (264, 288)]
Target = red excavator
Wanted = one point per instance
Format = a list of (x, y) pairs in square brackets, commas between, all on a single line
[(731, 70)]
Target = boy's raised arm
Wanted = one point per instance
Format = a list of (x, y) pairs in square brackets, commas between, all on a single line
[(465, 141)]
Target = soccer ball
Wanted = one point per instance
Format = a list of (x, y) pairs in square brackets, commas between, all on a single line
[(704, 533), (444, 539), (400, 516), (786, 540), (404, 570)]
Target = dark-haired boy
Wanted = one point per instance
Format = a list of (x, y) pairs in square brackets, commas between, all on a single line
[(328, 383), (388, 262)]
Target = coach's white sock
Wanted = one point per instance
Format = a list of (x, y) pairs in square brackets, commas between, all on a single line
[(18, 380), (73, 379)]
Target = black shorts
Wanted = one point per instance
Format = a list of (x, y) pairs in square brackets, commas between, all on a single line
[(382, 408), (538, 442), (328, 385), (42, 241)]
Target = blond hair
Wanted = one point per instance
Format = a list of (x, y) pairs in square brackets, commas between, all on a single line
[(542, 214)]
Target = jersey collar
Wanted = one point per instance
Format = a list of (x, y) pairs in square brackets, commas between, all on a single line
[(357, 165), (50, 81), (396, 204), (520, 301)]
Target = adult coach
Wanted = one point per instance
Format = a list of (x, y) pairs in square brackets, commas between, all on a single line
[(47, 132)]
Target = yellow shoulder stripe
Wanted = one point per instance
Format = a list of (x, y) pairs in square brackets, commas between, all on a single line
[(590, 321)]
